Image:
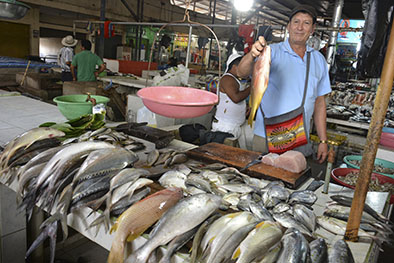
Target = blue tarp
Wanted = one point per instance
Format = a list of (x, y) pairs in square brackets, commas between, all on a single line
[(9, 62)]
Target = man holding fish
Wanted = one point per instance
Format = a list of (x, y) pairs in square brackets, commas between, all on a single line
[(289, 87)]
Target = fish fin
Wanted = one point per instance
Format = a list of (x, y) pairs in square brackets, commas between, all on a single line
[(236, 253), (212, 239), (96, 222), (251, 117), (48, 231), (107, 219), (260, 224), (97, 203), (52, 244), (114, 227), (133, 236)]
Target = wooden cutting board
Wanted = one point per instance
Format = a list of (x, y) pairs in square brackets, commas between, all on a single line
[(239, 158)]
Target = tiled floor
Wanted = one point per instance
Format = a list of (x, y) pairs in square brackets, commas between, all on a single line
[(18, 114)]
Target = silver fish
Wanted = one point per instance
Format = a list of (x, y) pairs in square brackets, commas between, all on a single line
[(237, 188), (340, 252), (258, 242), (152, 157), (295, 247), (260, 211), (104, 161), (173, 178), (288, 221), (305, 197), (198, 181), (57, 165), (185, 215), (226, 251), (239, 220), (25, 140), (176, 244), (318, 251), (305, 216), (281, 208)]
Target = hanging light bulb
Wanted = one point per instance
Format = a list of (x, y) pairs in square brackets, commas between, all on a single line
[(243, 5)]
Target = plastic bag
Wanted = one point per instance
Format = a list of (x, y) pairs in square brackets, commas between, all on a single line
[(174, 76), (145, 115)]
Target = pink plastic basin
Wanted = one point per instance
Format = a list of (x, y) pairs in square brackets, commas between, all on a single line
[(178, 102), (387, 139)]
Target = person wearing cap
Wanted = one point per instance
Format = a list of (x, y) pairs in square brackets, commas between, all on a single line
[(231, 111), (85, 62), (287, 80), (65, 56)]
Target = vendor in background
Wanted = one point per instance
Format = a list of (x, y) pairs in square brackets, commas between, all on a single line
[(85, 62), (287, 80), (65, 56), (231, 110)]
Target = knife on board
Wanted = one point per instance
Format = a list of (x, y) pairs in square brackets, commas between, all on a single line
[(254, 162)]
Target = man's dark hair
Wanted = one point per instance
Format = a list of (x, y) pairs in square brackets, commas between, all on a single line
[(86, 44)]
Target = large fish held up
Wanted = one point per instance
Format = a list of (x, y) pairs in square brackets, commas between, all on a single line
[(261, 72)]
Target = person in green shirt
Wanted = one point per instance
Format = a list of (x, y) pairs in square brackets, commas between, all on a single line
[(85, 62)]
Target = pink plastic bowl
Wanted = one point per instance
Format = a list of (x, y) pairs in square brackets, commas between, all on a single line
[(387, 139), (178, 102)]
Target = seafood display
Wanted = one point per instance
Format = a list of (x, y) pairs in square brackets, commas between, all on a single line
[(377, 168), (347, 102), (374, 184), (260, 78), (220, 213)]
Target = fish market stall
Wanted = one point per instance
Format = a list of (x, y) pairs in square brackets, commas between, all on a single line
[(249, 208), (133, 83)]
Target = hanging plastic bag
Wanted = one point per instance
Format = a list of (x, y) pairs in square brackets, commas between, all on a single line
[(174, 76), (145, 115)]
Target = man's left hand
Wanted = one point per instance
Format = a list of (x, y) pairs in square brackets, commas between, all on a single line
[(322, 152), (96, 74)]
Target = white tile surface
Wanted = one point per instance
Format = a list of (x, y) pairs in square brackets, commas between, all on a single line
[(20, 113)]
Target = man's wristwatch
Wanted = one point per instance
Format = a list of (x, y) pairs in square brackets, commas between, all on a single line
[(324, 141)]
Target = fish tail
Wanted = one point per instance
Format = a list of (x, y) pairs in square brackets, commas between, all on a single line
[(97, 203), (251, 117), (107, 219), (116, 254), (48, 231)]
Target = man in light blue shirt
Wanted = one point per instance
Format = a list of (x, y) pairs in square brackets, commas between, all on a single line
[(287, 79)]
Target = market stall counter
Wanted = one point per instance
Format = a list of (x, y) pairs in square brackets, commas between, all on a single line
[(224, 181)]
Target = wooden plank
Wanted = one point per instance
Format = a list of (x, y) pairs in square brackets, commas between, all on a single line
[(239, 158)]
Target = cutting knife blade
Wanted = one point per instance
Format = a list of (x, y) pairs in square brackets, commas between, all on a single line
[(255, 161)]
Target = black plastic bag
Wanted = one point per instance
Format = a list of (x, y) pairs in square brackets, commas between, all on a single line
[(378, 21)]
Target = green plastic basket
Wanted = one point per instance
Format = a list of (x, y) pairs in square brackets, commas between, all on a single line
[(378, 161), (73, 106)]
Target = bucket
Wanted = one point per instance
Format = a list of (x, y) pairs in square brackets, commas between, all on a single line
[(73, 106)]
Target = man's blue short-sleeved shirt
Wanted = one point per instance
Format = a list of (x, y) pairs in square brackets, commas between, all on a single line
[(287, 81)]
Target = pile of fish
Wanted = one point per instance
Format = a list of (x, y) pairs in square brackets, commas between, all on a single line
[(377, 168), (166, 157), (62, 176), (263, 221), (374, 185), (356, 105)]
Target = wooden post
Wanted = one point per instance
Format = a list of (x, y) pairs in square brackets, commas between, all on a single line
[(374, 132), (330, 161)]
